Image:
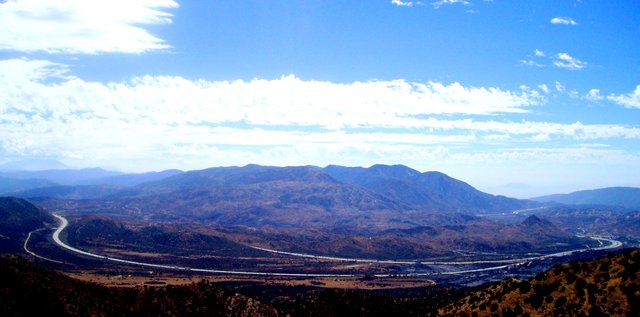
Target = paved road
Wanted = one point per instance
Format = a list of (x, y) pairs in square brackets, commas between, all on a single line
[(612, 244), (25, 246), (64, 223), (506, 263)]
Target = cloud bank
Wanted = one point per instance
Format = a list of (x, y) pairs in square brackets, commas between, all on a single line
[(172, 121), (82, 27)]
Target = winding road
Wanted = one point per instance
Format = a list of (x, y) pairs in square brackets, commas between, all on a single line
[(25, 246), (505, 263)]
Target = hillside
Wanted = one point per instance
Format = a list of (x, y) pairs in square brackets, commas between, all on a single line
[(628, 197), (29, 290), (429, 190), (11, 185), (607, 286), (304, 196), (17, 218)]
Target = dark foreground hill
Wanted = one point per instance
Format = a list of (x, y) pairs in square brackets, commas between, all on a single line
[(628, 197), (609, 286), (17, 218), (29, 290)]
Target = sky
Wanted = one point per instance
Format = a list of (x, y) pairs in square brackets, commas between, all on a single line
[(521, 98)]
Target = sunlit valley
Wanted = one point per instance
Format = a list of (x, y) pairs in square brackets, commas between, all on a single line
[(319, 158)]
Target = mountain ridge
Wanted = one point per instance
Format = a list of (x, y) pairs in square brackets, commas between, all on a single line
[(628, 197)]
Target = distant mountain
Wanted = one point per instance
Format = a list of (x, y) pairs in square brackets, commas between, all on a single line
[(74, 184), (136, 179), (341, 198), (11, 185), (605, 287), (628, 197), (69, 192), (430, 190), (33, 165), (257, 196), (63, 176), (17, 218)]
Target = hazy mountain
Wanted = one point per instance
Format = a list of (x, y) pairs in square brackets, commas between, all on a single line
[(429, 190), (69, 192), (74, 184), (32, 165), (628, 197), (63, 176), (10, 185), (136, 179)]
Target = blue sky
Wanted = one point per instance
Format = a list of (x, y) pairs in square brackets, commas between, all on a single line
[(515, 97)]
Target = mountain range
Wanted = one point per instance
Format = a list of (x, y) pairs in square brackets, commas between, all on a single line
[(628, 197), (299, 196)]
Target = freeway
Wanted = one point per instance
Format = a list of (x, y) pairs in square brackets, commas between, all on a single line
[(64, 223), (505, 263), (25, 246), (612, 244)]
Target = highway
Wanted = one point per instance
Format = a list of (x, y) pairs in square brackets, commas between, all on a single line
[(506, 263), (25, 246), (612, 244)]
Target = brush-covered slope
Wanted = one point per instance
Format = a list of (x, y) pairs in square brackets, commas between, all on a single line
[(429, 190), (257, 196), (17, 218), (609, 286), (29, 290)]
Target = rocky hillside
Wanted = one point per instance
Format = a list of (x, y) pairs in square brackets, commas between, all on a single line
[(607, 286)]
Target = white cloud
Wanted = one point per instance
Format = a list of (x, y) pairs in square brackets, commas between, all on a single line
[(630, 100), (594, 95), (530, 62), (173, 120), (82, 27), (544, 88), (438, 4), (561, 60), (564, 60), (25, 70), (563, 20), (401, 3), (560, 87)]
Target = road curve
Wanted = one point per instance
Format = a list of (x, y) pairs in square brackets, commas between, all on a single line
[(25, 246), (506, 263), (64, 223)]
